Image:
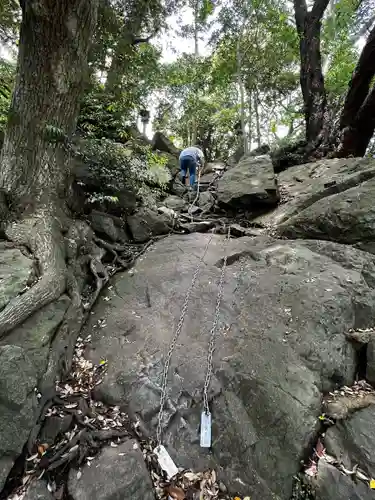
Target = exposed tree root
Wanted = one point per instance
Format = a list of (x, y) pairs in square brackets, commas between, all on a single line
[(42, 235), (77, 263)]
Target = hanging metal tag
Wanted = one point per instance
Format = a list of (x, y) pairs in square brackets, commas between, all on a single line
[(165, 461), (205, 430)]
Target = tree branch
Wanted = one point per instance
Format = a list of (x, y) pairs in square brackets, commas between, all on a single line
[(318, 9), (137, 41), (300, 12)]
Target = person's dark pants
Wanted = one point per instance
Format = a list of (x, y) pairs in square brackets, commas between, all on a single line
[(188, 164)]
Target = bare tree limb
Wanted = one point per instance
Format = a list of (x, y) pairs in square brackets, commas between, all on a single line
[(318, 9)]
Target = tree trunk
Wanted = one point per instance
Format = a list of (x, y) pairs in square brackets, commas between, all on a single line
[(357, 117), (311, 75), (250, 119), (257, 120), (194, 125), (54, 43), (122, 54), (241, 91)]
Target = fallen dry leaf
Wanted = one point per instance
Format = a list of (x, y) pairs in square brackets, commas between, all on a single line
[(320, 450), (175, 493)]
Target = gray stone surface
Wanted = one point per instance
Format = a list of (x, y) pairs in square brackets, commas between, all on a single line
[(285, 309), (38, 491), (331, 484), (146, 223), (353, 440), (23, 360), (249, 185), (198, 227), (117, 474), (370, 362), (17, 382), (16, 271), (103, 225), (347, 217), (175, 203), (313, 195), (206, 201)]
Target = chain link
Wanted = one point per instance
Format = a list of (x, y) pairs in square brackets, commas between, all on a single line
[(172, 345), (211, 345)]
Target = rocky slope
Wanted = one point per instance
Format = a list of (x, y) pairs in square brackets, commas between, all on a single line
[(295, 326)]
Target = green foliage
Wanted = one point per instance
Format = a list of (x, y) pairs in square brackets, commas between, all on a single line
[(7, 74), (124, 168), (338, 47), (10, 18)]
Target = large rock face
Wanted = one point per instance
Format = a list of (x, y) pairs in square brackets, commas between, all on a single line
[(352, 443), (331, 484), (23, 361), (117, 474), (353, 440), (329, 199), (280, 342), (146, 223), (16, 272), (161, 143), (251, 184)]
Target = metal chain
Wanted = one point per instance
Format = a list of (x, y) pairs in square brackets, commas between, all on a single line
[(211, 345), (174, 341)]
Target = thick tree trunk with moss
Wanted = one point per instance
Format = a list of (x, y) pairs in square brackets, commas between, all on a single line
[(311, 76), (34, 176), (357, 121)]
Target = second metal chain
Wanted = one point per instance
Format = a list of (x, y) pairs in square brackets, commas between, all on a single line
[(211, 348), (211, 345), (174, 341)]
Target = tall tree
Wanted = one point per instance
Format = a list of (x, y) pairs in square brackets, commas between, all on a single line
[(138, 22), (35, 160), (357, 121), (308, 24)]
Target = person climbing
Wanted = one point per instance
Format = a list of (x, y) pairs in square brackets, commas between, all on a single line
[(191, 159)]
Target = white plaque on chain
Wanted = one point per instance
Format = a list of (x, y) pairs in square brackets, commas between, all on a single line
[(205, 430), (165, 461)]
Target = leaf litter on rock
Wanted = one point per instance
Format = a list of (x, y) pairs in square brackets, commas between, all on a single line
[(95, 418), (359, 390)]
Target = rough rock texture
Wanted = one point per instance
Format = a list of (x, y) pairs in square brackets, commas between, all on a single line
[(353, 441), (161, 143), (212, 166), (16, 272), (177, 187), (331, 484), (23, 362), (103, 225), (17, 382), (289, 155), (206, 201), (370, 368), (250, 184), (146, 223), (347, 217), (317, 200), (38, 491), (117, 474), (285, 309), (198, 227), (172, 164), (175, 203)]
